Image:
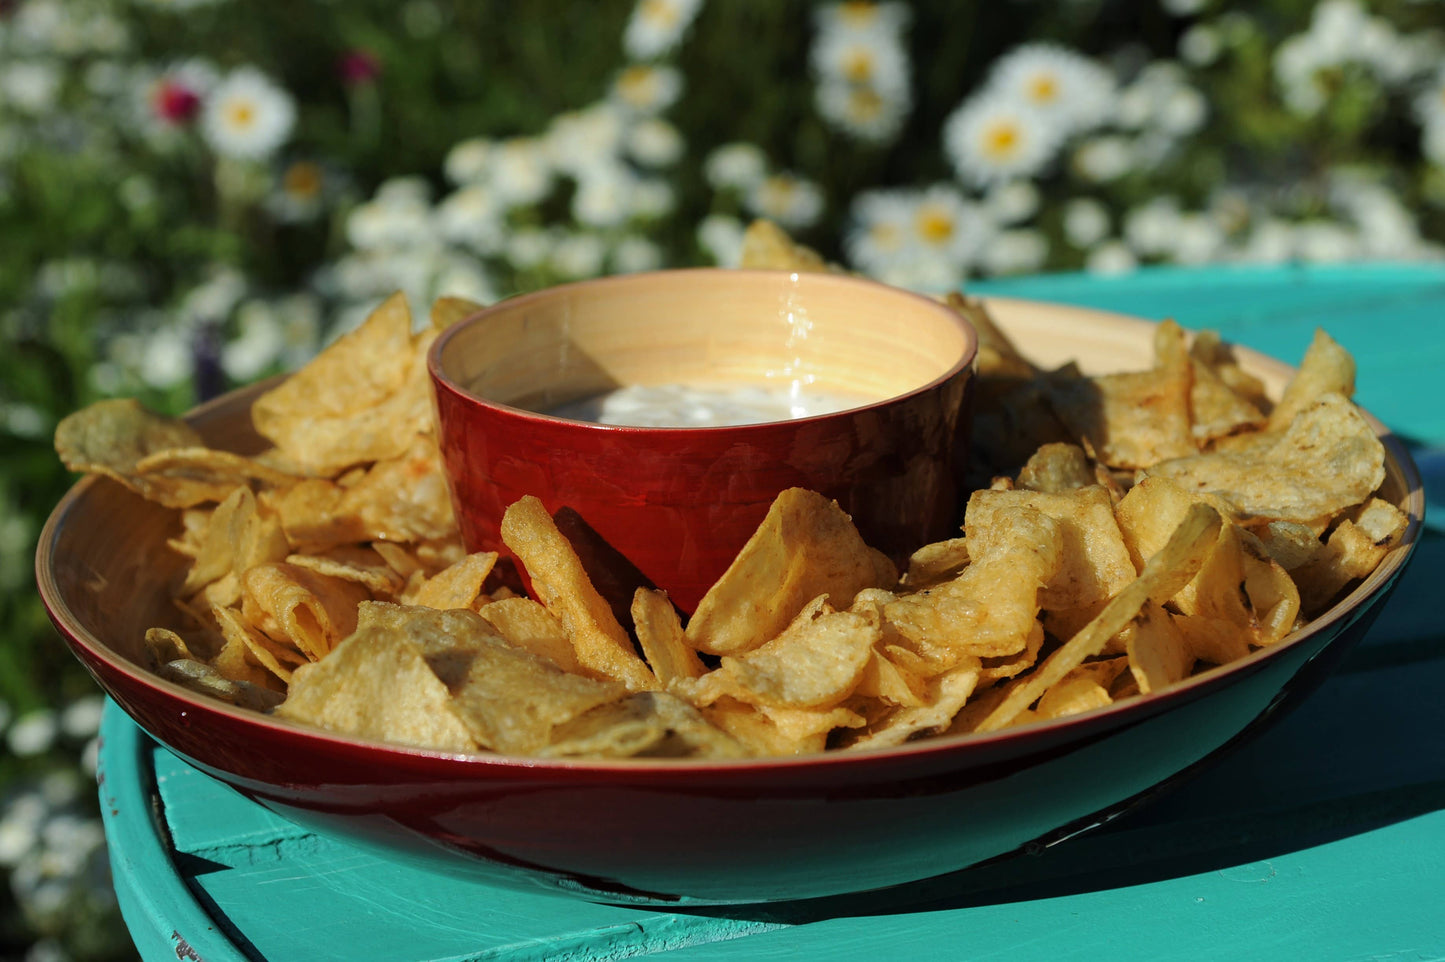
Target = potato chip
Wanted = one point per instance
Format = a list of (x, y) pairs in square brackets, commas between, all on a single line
[(936, 562), (561, 584), (239, 536), (1133, 419), (531, 627), (805, 547), (209, 466), (1327, 368), (1209, 349), (112, 437), (1168, 570), (1094, 562), (275, 658), (1328, 459), (1055, 468), (998, 358), (1290, 543), (362, 399), (1082, 689), (1353, 550), (1157, 652), (1215, 410), (946, 695), (307, 610), (660, 635), (163, 645), (378, 684), (357, 563), (817, 660), (205, 680), (446, 311), (768, 247), (769, 730), (648, 724), (457, 586)]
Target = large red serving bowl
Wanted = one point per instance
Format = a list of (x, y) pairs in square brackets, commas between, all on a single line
[(691, 832), (671, 507)]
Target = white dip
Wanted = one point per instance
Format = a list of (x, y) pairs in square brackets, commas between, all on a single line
[(690, 405)]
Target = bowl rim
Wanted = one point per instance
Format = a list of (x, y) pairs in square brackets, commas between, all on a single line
[(442, 379), (478, 763)]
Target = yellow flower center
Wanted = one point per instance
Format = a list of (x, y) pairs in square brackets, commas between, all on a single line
[(1043, 89), (858, 65), (859, 13), (1002, 139), (661, 12), (865, 103), (934, 225), (635, 84), (241, 114)]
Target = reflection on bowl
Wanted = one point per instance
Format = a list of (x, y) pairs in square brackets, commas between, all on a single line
[(691, 831), (677, 503)]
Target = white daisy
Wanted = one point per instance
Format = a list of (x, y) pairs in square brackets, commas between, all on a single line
[(1111, 258), (735, 166), (657, 26), (647, 88), (399, 216), (989, 139), (578, 255), (653, 142), (1069, 89), (652, 198), (528, 248), (1430, 102), (1011, 202), (1086, 222), (1324, 241), (1201, 45), (248, 116), (1432, 143), (469, 161), (862, 110), (30, 86), (521, 172), (583, 139), (1018, 251), (946, 226), (721, 237), (462, 276), (863, 16), (634, 253), (603, 197), (1151, 227), (472, 218), (299, 193), (1197, 240), (873, 59), (928, 275), (793, 202)]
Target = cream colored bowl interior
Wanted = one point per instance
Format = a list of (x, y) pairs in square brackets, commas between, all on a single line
[(706, 327)]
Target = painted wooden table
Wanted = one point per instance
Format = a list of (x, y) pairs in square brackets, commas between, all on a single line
[(1324, 839)]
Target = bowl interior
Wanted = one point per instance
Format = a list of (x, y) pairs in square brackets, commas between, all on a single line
[(704, 327)]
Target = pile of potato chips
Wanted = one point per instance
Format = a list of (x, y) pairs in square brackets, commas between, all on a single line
[(1126, 532)]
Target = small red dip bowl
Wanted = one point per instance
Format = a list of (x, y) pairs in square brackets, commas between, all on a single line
[(683, 832), (671, 506)]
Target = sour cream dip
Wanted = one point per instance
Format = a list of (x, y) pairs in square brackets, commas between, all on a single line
[(697, 405)]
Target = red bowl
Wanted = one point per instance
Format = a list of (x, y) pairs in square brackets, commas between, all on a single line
[(672, 506), (691, 832)]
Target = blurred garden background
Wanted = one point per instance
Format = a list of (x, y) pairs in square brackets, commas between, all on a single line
[(198, 193)]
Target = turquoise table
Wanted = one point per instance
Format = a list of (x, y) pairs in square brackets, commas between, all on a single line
[(1324, 839)]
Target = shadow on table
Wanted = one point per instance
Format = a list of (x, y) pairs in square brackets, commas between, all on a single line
[(1357, 755)]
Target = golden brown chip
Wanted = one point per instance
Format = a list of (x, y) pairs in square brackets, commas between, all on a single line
[(309, 611), (1158, 654), (1082, 689), (1353, 550), (1329, 459), (936, 562), (205, 680), (531, 627), (1218, 356), (660, 635), (806, 546), (1215, 410), (361, 399), (378, 684), (648, 724), (816, 661), (1170, 569), (1056, 468), (998, 359), (1133, 419), (946, 695), (209, 466), (1094, 562), (767, 247), (457, 586), (358, 563), (1327, 368), (446, 311), (767, 730), (275, 658), (561, 583), (163, 645), (239, 535), (112, 437)]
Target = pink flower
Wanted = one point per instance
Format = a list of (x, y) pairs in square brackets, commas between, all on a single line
[(358, 67), (174, 102)]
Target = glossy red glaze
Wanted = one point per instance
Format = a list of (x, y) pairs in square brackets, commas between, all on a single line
[(674, 832), (678, 503)]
